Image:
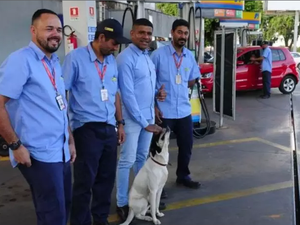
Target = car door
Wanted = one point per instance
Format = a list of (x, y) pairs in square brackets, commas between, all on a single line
[(241, 74), (248, 73), (278, 66)]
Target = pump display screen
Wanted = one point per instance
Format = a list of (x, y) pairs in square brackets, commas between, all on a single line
[(228, 74)]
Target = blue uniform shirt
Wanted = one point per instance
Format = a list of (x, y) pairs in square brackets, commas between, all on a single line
[(84, 85), (137, 80), (267, 61), (176, 104), (34, 114)]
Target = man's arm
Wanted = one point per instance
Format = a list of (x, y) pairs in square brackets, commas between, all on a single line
[(126, 85), (195, 73), (118, 106), (14, 73), (6, 130)]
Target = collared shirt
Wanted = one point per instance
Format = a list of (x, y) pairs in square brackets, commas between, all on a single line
[(176, 104), (33, 110), (137, 80), (84, 85), (267, 61)]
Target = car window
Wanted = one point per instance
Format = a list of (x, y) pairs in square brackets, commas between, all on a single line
[(295, 55), (275, 55), (281, 55)]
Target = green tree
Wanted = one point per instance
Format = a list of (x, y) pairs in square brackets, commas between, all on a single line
[(281, 25), (168, 8)]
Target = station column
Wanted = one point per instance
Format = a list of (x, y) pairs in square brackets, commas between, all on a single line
[(81, 17)]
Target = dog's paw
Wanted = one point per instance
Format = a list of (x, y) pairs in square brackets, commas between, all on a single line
[(159, 214), (156, 222), (148, 218)]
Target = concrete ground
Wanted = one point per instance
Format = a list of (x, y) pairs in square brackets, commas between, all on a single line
[(245, 170)]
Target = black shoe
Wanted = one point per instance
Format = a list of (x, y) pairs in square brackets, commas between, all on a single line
[(264, 96), (164, 194), (123, 212), (162, 206), (101, 223), (189, 183)]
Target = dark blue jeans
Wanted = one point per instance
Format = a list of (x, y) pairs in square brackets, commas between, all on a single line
[(94, 172), (51, 186), (266, 75), (183, 129)]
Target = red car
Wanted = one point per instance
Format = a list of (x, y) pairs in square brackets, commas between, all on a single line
[(248, 74)]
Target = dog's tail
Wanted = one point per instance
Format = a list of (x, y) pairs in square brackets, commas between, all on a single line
[(129, 217)]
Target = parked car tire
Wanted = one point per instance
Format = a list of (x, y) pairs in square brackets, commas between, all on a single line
[(288, 84), (3, 147), (298, 66)]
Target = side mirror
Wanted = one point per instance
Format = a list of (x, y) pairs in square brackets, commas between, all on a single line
[(240, 63)]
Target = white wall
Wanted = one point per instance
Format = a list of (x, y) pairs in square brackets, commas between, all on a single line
[(15, 20)]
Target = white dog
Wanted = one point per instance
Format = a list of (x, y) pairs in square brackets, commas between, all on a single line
[(149, 182)]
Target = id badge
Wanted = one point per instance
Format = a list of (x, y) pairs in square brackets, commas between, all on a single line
[(178, 79), (60, 102), (104, 95)]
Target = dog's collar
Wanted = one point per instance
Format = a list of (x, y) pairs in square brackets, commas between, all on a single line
[(161, 164)]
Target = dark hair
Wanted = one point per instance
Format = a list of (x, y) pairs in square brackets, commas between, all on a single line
[(180, 22), (39, 13), (142, 22)]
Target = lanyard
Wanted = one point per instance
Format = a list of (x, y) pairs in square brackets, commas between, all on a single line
[(51, 76), (178, 64), (101, 74)]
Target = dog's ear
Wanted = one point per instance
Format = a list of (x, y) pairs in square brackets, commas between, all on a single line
[(154, 147)]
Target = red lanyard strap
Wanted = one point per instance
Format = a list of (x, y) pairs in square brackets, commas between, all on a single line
[(100, 73), (51, 76), (178, 64)]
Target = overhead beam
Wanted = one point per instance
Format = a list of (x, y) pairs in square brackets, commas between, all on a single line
[(157, 1)]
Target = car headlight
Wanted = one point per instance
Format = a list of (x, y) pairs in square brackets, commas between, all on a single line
[(206, 75)]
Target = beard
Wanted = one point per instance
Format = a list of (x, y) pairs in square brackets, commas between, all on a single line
[(47, 45), (106, 52), (180, 42)]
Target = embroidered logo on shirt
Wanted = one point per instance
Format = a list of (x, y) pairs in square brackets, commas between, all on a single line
[(114, 79), (186, 69)]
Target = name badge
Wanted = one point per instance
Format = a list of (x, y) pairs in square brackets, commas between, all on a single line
[(60, 102), (104, 95), (178, 79)]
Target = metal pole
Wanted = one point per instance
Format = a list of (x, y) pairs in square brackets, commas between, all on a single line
[(222, 77), (296, 23)]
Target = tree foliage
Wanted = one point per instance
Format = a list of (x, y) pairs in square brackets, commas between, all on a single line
[(168, 8), (281, 25), (272, 26)]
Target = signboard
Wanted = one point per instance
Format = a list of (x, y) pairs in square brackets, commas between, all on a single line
[(220, 13), (247, 17), (91, 12), (281, 5), (74, 13), (214, 4), (224, 92)]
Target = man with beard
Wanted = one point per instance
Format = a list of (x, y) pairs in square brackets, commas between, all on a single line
[(137, 81), (177, 69), (91, 77), (34, 122)]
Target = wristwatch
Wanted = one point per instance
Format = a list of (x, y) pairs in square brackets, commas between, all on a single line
[(121, 122), (15, 145)]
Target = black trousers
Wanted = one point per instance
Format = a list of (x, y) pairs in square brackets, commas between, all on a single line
[(94, 172), (183, 129), (266, 75)]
